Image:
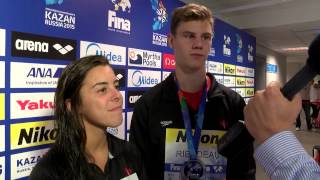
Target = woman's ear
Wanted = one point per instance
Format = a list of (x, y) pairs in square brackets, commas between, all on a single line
[(68, 104)]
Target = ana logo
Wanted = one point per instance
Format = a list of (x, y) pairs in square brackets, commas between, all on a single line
[(63, 50), (44, 72), (114, 54), (139, 78), (169, 61), (239, 48), (144, 58), (226, 45), (250, 53), (161, 15), (51, 2)]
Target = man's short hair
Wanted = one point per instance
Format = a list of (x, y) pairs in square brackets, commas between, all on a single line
[(190, 12)]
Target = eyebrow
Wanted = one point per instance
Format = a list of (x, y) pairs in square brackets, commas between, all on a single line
[(190, 32), (104, 83)]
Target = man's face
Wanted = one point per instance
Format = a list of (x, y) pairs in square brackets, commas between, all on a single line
[(191, 44)]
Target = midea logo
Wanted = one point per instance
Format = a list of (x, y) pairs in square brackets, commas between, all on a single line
[(139, 79)]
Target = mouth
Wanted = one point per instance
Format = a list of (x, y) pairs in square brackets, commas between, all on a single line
[(197, 55), (117, 108)]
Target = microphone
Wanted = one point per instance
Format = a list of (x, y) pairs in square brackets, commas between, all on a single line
[(238, 137)]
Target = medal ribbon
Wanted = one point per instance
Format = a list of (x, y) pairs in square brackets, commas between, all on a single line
[(193, 140)]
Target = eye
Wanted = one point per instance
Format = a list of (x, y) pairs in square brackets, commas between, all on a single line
[(102, 90), (188, 35), (207, 37)]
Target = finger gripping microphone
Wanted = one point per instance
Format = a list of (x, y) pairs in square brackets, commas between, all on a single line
[(237, 138)]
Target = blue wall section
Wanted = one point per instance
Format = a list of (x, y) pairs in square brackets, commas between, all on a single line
[(39, 38)]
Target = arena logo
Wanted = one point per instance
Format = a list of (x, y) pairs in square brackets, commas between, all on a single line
[(32, 134), (143, 78), (165, 74), (168, 61), (250, 53), (144, 58), (57, 18), (133, 96), (24, 105), (23, 163), (116, 23), (2, 42), (121, 77), (116, 55), (226, 45), (36, 46), (239, 48)]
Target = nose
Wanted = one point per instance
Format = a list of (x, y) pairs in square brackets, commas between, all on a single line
[(116, 95), (197, 43)]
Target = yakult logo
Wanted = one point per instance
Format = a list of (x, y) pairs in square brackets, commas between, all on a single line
[(142, 78), (24, 105)]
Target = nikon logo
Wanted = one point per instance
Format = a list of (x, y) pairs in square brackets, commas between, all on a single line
[(27, 45), (36, 135), (204, 138)]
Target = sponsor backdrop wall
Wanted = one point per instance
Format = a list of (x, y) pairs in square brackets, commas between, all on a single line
[(39, 38)]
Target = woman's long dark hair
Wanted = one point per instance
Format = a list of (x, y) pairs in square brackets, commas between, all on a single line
[(71, 135)]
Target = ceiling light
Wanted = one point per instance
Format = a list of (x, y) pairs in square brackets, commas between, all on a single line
[(296, 49)]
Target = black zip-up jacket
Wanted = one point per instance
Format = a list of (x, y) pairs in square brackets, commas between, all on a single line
[(161, 104), (125, 159)]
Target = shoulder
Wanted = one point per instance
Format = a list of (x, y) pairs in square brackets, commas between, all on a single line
[(49, 166)]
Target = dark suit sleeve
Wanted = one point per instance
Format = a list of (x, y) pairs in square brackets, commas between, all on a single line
[(242, 164), (39, 172)]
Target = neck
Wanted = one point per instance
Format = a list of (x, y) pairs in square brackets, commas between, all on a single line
[(96, 141), (191, 81)]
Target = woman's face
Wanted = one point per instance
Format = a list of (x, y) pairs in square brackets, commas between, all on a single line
[(101, 102)]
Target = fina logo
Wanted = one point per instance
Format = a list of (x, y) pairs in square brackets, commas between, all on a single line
[(116, 23), (226, 48), (51, 2), (250, 51), (161, 15), (239, 48)]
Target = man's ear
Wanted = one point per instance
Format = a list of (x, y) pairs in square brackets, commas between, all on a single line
[(170, 40), (68, 104)]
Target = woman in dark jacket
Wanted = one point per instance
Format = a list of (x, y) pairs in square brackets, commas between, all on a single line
[(87, 101)]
